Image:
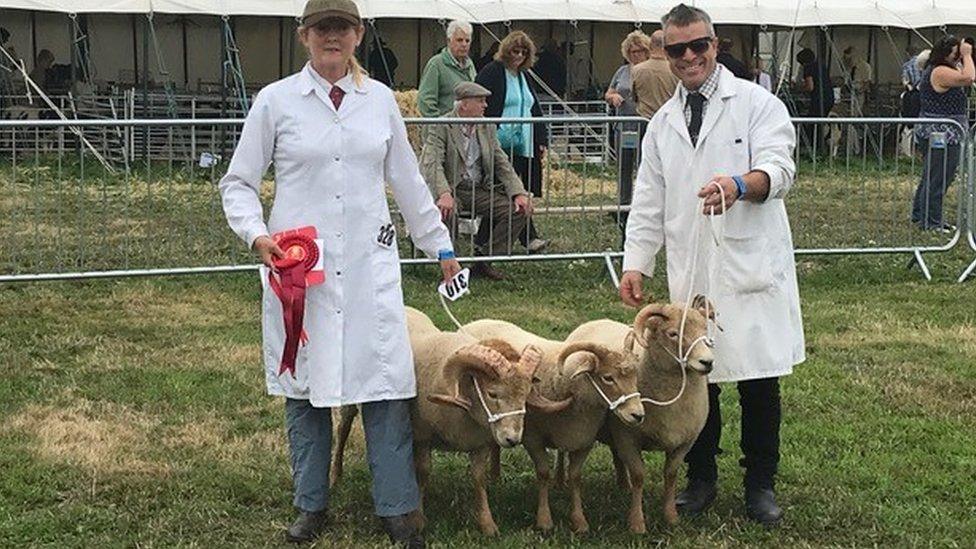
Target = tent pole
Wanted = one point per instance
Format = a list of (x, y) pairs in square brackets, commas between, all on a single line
[(145, 85)]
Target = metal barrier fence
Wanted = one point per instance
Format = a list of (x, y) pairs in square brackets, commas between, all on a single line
[(971, 204), (69, 211)]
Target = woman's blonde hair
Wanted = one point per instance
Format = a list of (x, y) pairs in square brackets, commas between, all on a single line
[(516, 39), (357, 71), (636, 38)]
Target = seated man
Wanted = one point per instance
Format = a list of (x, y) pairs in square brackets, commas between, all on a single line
[(468, 173)]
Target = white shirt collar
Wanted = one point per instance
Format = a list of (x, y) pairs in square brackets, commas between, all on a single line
[(345, 83)]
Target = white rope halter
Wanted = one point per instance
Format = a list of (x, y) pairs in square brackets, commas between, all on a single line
[(707, 339), (492, 417), (611, 404)]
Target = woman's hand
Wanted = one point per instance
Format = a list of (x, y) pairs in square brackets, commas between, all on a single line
[(267, 250), (450, 267)]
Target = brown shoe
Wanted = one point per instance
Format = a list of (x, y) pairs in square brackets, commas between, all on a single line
[(485, 270)]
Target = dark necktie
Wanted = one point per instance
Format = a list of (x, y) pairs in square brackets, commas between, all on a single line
[(336, 94), (696, 101)]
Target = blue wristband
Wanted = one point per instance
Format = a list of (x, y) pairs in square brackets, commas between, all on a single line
[(740, 185), (445, 254)]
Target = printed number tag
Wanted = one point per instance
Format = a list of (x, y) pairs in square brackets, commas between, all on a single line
[(386, 236), (457, 287)]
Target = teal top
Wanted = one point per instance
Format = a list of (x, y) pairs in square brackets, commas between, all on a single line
[(517, 138)]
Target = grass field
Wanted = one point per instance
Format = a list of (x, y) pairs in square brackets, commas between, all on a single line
[(134, 415)]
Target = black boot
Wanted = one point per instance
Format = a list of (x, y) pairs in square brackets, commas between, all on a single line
[(308, 526), (761, 506), (403, 532), (696, 497)]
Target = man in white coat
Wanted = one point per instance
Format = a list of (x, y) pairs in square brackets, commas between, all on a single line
[(718, 131)]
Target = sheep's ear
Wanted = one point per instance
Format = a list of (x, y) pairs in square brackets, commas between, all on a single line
[(449, 400)]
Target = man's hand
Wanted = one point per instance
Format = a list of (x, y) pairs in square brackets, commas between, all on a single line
[(713, 198), (450, 267), (523, 203), (445, 203), (267, 250), (615, 99), (965, 48), (632, 288)]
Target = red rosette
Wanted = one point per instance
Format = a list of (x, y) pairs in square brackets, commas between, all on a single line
[(301, 256)]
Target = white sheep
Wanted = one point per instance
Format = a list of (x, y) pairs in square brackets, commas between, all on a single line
[(672, 428), (597, 380), (471, 397)]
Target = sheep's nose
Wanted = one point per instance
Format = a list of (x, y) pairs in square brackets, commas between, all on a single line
[(511, 441), (707, 364), (638, 417)]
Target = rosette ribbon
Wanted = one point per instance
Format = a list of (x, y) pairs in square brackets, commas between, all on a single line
[(301, 255)]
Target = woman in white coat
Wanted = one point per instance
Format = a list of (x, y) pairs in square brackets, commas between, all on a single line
[(721, 131), (335, 137)]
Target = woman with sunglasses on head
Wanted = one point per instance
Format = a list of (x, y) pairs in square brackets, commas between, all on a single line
[(513, 95), (942, 94), (336, 138)]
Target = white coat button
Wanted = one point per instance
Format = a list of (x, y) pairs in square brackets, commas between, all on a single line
[(338, 235), (338, 197), (336, 120), (338, 311), (336, 158), (338, 273)]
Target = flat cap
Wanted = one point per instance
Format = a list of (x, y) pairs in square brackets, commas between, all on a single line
[(318, 10), (464, 90)]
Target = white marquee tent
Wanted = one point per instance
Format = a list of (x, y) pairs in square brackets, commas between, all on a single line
[(183, 42)]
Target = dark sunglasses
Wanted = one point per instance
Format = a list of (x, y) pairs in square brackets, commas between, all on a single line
[(697, 46)]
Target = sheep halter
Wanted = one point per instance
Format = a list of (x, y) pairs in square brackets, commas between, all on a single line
[(492, 417), (707, 338), (611, 404)]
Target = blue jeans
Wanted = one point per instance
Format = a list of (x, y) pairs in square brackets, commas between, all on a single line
[(938, 171), (389, 447)]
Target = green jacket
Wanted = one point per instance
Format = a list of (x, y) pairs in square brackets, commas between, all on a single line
[(442, 160), (435, 95)]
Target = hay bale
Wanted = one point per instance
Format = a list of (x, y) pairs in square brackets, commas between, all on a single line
[(407, 101)]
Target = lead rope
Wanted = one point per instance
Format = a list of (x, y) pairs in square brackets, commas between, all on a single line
[(707, 338)]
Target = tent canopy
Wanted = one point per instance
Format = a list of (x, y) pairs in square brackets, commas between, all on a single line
[(785, 13)]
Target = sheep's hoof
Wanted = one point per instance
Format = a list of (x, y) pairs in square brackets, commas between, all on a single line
[(579, 526), (544, 525), (489, 528), (671, 516), (637, 525)]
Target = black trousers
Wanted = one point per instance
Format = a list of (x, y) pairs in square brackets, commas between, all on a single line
[(761, 415), (529, 171)]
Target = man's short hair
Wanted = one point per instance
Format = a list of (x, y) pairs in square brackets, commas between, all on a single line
[(683, 15), (458, 25)]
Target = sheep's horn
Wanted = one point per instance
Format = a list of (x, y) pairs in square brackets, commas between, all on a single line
[(475, 357), (531, 358), (538, 402), (705, 307), (449, 400), (640, 321), (503, 347), (599, 351)]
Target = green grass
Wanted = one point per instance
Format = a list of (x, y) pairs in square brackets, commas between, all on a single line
[(134, 414)]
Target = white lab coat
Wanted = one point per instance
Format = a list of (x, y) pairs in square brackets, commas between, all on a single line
[(751, 278), (330, 169)]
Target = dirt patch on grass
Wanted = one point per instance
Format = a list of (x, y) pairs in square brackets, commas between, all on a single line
[(104, 438)]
